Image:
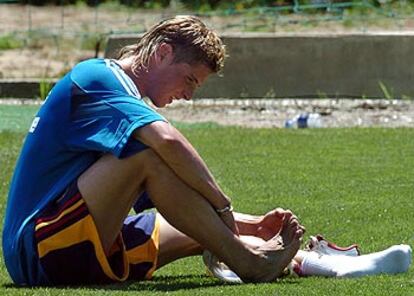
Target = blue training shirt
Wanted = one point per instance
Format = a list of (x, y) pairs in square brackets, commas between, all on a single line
[(93, 110)]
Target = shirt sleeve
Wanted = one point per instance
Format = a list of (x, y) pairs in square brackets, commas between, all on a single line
[(104, 122)]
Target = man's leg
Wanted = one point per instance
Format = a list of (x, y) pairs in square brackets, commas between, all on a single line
[(110, 186), (176, 245)]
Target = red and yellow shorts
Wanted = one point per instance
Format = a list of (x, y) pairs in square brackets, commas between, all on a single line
[(70, 251)]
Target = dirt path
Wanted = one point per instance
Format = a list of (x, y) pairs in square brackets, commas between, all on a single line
[(273, 113)]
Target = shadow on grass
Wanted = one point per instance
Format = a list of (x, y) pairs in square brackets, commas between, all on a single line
[(166, 283), (159, 283)]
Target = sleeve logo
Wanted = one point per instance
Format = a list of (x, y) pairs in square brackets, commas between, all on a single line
[(34, 124)]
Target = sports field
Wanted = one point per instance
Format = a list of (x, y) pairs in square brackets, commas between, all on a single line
[(352, 185)]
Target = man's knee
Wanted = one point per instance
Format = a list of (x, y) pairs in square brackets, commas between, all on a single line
[(152, 163)]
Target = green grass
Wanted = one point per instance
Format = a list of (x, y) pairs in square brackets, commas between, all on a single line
[(352, 185), (10, 42), (16, 118)]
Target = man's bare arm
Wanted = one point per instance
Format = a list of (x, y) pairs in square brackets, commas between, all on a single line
[(183, 159)]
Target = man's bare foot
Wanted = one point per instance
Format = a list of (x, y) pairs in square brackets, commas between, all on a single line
[(290, 222), (277, 252)]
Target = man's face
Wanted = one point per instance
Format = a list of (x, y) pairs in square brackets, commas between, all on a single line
[(171, 81)]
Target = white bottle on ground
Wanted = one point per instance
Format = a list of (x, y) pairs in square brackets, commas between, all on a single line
[(305, 120), (314, 120)]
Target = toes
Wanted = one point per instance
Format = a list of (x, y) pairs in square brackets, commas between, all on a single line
[(288, 214), (278, 212), (294, 223)]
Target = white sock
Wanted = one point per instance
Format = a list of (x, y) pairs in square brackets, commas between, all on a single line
[(393, 260), (317, 264)]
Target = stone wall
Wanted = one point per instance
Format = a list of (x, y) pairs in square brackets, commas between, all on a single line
[(309, 65)]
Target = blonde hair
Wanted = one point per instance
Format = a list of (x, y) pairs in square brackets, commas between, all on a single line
[(192, 41)]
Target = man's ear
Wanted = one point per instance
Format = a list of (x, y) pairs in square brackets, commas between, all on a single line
[(164, 53)]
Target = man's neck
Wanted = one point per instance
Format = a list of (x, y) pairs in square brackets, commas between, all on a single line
[(138, 78)]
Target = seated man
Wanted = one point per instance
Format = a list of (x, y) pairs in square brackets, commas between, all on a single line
[(95, 149)]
